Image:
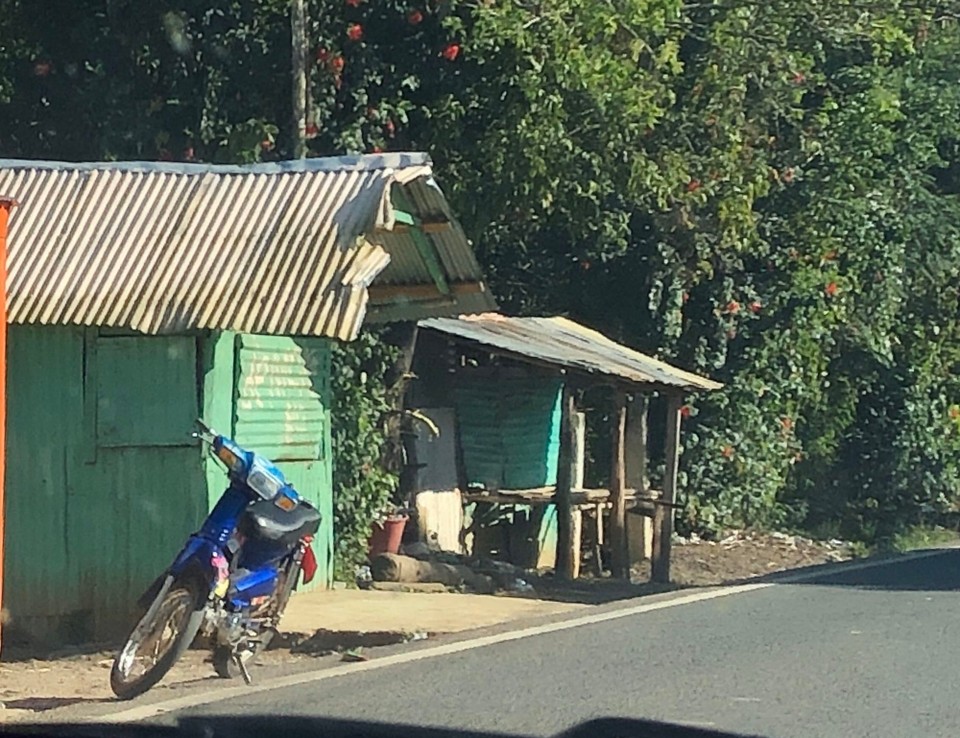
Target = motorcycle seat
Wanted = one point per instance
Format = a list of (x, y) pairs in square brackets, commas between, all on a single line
[(270, 523)]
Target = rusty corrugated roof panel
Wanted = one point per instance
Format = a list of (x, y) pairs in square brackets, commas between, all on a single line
[(287, 248), (564, 343)]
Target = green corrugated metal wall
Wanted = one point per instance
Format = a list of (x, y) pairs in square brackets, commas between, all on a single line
[(509, 427), (103, 483), (282, 411), (103, 480)]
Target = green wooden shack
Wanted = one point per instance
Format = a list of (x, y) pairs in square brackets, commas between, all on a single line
[(142, 296), (503, 390)]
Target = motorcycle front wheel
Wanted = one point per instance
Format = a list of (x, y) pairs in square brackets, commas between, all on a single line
[(158, 640)]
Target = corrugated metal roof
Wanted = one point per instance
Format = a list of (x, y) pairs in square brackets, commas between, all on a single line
[(287, 248), (564, 343)]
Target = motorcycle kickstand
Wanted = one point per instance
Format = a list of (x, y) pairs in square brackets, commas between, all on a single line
[(248, 680)]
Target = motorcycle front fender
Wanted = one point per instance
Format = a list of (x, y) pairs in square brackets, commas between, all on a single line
[(150, 594)]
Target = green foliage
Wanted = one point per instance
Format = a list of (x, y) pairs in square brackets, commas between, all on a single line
[(920, 536), (764, 192), (361, 486)]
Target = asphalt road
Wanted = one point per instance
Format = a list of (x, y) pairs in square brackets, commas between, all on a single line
[(869, 652)]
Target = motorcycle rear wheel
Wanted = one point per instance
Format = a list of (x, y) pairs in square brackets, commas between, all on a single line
[(158, 640), (225, 664)]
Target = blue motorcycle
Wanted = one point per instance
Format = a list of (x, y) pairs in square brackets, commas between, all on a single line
[(232, 580)]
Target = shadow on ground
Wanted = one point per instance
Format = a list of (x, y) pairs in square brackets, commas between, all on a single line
[(324, 641), (593, 591), (937, 572), (40, 704)]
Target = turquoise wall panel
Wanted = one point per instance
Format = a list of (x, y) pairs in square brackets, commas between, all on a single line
[(282, 410), (509, 427)]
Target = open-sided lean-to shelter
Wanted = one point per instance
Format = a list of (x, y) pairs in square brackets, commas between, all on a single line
[(511, 384), (142, 296)]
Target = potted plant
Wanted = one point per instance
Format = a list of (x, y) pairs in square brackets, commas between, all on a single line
[(387, 532)]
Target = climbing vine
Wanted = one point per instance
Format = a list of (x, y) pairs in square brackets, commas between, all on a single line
[(362, 486)]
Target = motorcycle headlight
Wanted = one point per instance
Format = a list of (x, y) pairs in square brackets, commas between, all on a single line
[(263, 480)]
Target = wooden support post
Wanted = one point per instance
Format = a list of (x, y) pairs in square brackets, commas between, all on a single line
[(598, 543), (639, 528), (568, 555), (576, 540), (618, 523), (579, 456), (298, 53), (663, 529), (635, 454)]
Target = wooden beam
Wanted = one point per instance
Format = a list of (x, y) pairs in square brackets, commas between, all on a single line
[(436, 226), (620, 565), (425, 247), (567, 538), (383, 293), (663, 523), (403, 228)]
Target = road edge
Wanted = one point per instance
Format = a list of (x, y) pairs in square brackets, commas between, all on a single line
[(472, 640)]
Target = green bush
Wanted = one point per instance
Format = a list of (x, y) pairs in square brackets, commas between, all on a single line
[(362, 487)]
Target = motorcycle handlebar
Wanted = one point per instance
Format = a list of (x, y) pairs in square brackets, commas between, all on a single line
[(206, 433)]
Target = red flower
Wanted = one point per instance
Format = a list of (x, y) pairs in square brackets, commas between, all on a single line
[(788, 175), (336, 64), (831, 289), (451, 52), (733, 307), (266, 145), (355, 3), (755, 307), (799, 78), (414, 17), (311, 130), (42, 69), (685, 411), (377, 150), (686, 297), (389, 128), (322, 55), (354, 31), (693, 185), (727, 452)]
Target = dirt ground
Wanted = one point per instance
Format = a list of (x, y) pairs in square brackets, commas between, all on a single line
[(352, 620), (367, 619), (743, 555)]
